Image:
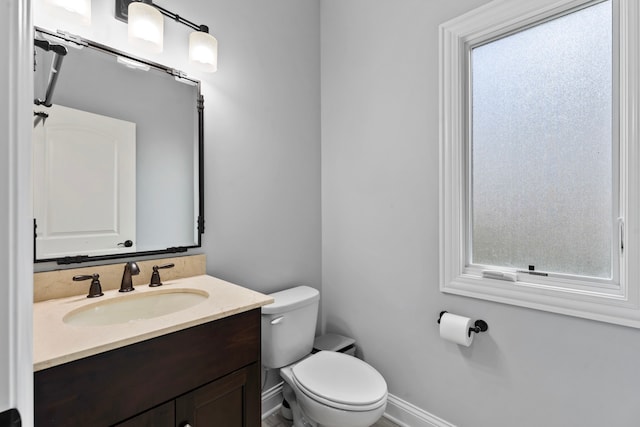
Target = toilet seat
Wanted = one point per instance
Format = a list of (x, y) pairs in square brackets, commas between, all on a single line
[(340, 381)]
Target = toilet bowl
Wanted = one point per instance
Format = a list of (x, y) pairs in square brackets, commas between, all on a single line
[(326, 389), (337, 390)]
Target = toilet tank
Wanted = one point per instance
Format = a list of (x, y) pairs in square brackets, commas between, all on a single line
[(289, 326)]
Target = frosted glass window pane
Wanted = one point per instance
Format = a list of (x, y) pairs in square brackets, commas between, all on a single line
[(541, 147)]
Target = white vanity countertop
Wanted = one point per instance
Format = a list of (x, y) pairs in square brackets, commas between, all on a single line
[(56, 342)]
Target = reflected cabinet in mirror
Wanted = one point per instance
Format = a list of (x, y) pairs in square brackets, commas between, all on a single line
[(117, 154)]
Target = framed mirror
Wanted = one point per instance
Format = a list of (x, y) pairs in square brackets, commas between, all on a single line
[(118, 154)]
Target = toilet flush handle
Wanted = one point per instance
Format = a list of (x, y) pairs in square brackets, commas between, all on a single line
[(277, 320)]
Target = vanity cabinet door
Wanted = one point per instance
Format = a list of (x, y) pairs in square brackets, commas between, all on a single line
[(231, 401), (160, 416)]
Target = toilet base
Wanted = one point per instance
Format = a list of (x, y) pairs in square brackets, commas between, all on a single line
[(285, 410), (299, 417)]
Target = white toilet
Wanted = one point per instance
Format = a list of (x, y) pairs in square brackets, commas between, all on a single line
[(326, 389)]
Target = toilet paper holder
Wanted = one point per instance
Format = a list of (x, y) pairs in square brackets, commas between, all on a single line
[(479, 325)]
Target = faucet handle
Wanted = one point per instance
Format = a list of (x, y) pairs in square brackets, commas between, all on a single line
[(95, 290), (155, 276)]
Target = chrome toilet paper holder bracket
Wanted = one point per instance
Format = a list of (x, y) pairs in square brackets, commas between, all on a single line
[(479, 325)]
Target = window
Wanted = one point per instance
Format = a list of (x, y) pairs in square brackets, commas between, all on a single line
[(539, 189), (541, 147)]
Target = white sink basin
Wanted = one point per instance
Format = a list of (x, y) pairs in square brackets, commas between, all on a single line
[(136, 306)]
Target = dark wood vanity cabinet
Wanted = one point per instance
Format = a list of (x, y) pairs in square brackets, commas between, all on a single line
[(161, 416), (207, 375), (219, 403)]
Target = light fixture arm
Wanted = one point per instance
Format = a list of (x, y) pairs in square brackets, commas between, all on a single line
[(121, 14), (180, 19)]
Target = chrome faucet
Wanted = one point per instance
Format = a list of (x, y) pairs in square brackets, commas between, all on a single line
[(130, 269)]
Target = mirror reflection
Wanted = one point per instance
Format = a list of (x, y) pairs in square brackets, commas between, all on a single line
[(117, 146)]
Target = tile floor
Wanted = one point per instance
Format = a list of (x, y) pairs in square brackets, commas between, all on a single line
[(276, 420)]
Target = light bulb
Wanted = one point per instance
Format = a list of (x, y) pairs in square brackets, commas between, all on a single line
[(203, 51), (146, 26)]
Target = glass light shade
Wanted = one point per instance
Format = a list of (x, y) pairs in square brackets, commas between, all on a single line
[(146, 27), (75, 9), (203, 51)]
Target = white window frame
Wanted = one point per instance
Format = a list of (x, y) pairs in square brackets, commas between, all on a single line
[(619, 304)]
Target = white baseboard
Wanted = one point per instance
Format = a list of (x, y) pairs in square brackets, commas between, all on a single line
[(405, 414), (271, 400), (398, 411)]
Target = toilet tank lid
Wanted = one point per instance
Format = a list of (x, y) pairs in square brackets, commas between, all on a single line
[(290, 299)]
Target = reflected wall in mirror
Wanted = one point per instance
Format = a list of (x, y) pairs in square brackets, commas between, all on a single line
[(118, 146)]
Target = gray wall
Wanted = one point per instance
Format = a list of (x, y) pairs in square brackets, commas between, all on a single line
[(263, 135), (380, 246)]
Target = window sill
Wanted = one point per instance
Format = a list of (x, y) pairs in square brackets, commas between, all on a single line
[(595, 305)]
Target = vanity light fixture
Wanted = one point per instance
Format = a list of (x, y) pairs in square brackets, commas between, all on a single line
[(74, 8), (146, 28)]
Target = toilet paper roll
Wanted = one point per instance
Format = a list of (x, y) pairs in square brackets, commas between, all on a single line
[(456, 329)]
